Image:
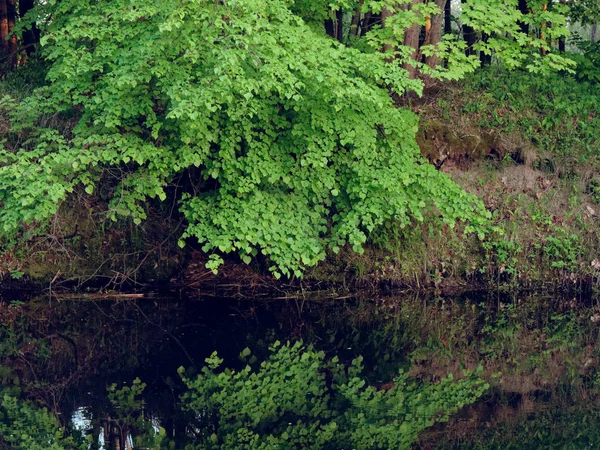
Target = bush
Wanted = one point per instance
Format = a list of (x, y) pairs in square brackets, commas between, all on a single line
[(23, 426)]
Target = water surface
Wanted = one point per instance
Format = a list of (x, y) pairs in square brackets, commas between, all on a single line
[(539, 355)]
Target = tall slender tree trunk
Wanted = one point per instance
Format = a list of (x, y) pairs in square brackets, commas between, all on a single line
[(364, 24), (524, 8), (356, 19), (485, 59), (385, 15), (31, 35), (411, 39), (330, 28), (448, 17), (434, 35), (334, 27), (469, 36), (562, 43), (4, 28), (594, 33), (339, 25), (369, 21), (12, 40)]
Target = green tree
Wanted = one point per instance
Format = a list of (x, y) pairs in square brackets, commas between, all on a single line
[(299, 146), (24, 426), (289, 139)]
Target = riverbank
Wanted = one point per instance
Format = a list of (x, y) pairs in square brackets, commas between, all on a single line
[(525, 146)]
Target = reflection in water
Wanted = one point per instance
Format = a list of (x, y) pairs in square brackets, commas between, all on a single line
[(540, 355)]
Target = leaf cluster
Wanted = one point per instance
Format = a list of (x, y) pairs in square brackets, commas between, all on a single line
[(24, 426)]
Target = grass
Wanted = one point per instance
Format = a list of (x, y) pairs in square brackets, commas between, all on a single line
[(529, 147)]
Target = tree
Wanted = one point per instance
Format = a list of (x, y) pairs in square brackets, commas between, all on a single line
[(448, 17), (12, 55), (288, 402), (289, 138), (434, 34), (4, 27), (299, 146)]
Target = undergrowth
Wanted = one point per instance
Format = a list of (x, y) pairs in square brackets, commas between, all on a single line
[(527, 145)]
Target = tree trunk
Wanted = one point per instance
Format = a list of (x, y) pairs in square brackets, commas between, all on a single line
[(434, 36), (524, 10), (369, 21), (469, 36), (385, 14), (30, 36), (562, 42), (339, 25), (411, 39), (485, 59), (594, 33), (3, 28), (356, 19), (448, 17), (543, 29), (12, 40), (364, 23), (330, 27)]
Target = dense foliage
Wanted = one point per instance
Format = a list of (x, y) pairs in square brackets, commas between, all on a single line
[(558, 114), (296, 399), (555, 426), (299, 145), (588, 61), (27, 427), (275, 139)]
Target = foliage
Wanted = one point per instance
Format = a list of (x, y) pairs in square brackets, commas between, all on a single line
[(26, 427), (129, 412), (584, 11), (512, 46), (499, 20), (299, 147), (553, 426), (297, 399), (562, 249), (555, 112), (588, 62), (593, 189), (503, 333)]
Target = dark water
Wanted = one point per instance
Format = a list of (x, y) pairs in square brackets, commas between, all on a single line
[(539, 354)]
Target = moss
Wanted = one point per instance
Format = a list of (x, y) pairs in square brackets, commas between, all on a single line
[(442, 142)]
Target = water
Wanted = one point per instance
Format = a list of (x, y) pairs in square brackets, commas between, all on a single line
[(539, 354)]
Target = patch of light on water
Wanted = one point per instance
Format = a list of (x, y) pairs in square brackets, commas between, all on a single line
[(101, 439), (81, 420)]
